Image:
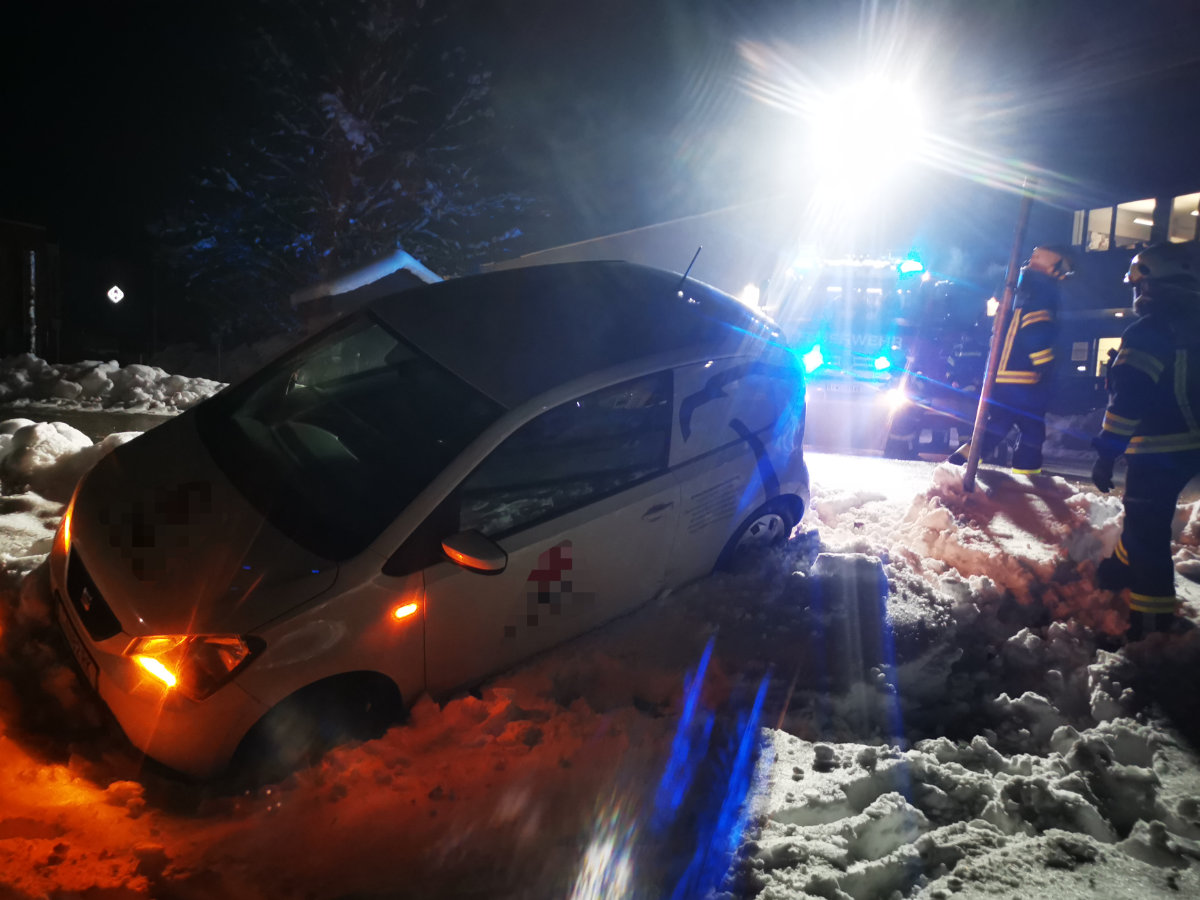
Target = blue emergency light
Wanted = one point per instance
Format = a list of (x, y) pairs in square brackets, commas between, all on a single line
[(813, 359)]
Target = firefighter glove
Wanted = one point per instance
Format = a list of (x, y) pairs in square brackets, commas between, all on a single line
[(1102, 473)]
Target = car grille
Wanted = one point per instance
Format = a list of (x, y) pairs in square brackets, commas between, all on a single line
[(89, 604)]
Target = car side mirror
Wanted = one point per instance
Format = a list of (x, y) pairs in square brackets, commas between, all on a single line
[(473, 551)]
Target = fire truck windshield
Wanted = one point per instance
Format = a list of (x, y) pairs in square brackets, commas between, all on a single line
[(859, 315)]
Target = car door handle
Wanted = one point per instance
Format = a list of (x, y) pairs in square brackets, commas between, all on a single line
[(654, 513)]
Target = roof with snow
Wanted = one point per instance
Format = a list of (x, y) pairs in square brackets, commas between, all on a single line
[(516, 334), (397, 271)]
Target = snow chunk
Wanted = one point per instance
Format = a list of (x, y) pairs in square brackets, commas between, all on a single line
[(91, 384)]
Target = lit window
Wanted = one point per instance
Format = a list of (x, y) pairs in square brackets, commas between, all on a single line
[(1135, 219), (1185, 218), (1099, 228)]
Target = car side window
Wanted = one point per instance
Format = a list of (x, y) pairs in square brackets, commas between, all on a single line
[(572, 455)]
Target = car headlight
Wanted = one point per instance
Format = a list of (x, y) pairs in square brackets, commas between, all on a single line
[(62, 539), (193, 664), (896, 399)]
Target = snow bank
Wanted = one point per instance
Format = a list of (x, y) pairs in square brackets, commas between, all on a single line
[(26, 379), (49, 458), (1103, 812)]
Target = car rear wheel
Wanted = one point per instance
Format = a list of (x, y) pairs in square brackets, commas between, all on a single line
[(766, 528)]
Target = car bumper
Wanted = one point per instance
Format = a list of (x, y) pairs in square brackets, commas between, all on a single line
[(195, 738), (842, 415)]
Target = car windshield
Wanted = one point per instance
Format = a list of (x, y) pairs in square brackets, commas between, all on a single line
[(332, 441)]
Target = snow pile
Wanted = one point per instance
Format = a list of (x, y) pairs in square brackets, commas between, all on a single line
[(921, 695), (1097, 814), (26, 379), (992, 748), (49, 457)]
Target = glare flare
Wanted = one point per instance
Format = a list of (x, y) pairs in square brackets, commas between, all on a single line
[(157, 669)]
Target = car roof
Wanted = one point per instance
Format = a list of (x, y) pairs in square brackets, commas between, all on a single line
[(517, 333)]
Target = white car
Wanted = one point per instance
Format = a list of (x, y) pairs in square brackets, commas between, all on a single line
[(423, 494)]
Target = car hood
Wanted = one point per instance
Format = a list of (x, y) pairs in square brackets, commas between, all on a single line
[(174, 548)]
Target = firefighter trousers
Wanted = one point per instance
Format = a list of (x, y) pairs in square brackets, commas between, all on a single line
[(1142, 561), (1022, 405)]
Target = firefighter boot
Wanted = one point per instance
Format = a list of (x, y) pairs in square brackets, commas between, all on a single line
[(959, 456), (1027, 460), (1142, 624), (1112, 574)]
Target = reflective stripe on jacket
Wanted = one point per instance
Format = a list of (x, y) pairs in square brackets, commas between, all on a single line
[(1155, 390), (1028, 349)]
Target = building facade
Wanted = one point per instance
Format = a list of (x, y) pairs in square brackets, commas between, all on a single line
[(1105, 239)]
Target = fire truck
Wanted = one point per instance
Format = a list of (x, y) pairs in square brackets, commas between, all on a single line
[(894, 355)]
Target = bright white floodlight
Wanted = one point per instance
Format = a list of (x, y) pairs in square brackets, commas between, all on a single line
[(115, 294), (866, 130)]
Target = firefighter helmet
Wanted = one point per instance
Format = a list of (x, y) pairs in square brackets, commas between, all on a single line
[(1052, 261), (1174, 264), (1165, 277)]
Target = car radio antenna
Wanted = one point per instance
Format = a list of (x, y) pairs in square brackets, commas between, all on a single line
[(689, 268)]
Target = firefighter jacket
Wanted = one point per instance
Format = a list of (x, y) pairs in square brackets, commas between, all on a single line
[(1154, 393), (1028, 349), (966, 364)]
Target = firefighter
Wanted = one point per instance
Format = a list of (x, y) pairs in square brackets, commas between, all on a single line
[(966, 364), (1022, 389), (1152, 418), (926, 371)]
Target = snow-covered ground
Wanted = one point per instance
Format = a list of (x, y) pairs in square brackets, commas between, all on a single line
[(922, 695)]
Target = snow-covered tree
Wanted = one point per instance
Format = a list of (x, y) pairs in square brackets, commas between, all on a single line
[(372, 136)]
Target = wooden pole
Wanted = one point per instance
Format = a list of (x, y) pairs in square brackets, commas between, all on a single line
[(999, 326)]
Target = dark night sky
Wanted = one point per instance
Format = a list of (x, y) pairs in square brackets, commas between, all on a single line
[(622, 111), (106, 105)]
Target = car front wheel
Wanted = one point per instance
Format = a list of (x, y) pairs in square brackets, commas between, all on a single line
[(301, 729)]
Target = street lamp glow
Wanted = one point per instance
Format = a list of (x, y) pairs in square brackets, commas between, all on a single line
[(866, 130), (115, 294)]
